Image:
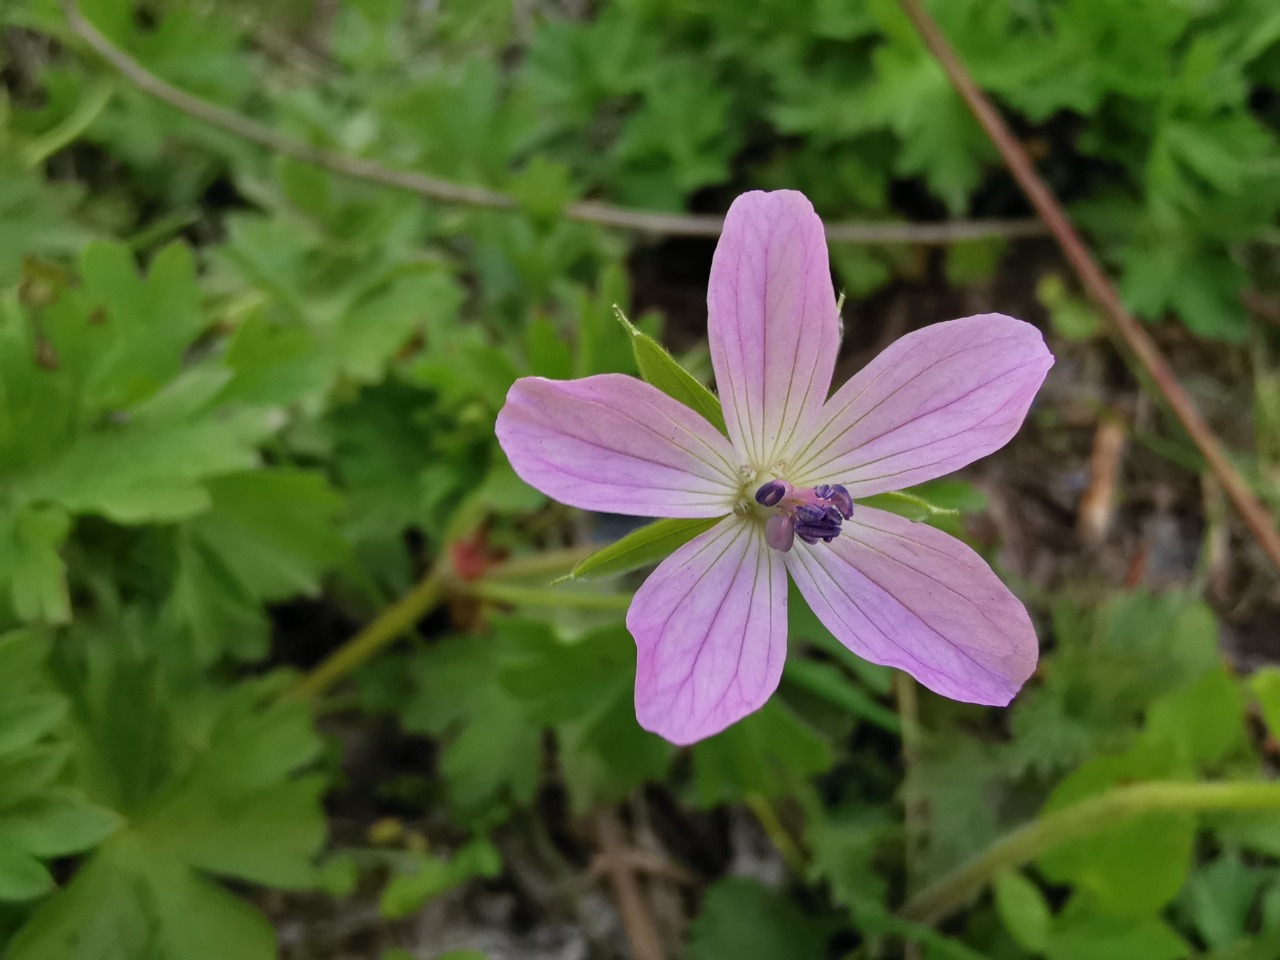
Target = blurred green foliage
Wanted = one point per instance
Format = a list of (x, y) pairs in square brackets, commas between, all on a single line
[(234, 385)]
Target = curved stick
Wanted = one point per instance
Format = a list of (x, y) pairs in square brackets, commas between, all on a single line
[(1252, 512), (448, 191)]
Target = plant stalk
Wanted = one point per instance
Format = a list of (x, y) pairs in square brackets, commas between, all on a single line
[(389, 625), (1083, 819)]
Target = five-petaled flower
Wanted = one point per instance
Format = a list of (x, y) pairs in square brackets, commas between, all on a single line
[(710, 624)]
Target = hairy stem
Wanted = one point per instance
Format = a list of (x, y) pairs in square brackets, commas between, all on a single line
[(392, 623), (544, 596), (1080, 820), (1256, 517), (540, 564)]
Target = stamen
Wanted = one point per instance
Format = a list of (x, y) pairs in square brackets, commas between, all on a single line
[(779, 532), (770, 494), (815, 523), (841, 500), (814, 515)]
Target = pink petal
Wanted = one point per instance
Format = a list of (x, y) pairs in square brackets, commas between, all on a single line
[(771, 321), (907, 595), (618, 445), (710, 626), (935, 400)]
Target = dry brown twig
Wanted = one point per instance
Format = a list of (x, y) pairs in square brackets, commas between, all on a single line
[(614, 862), (447, 191), (1255, 516)]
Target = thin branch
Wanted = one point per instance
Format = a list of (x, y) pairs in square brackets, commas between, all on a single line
[(1083, 819), (448, 191), (1252, 512), (637, 918), (914, 811)]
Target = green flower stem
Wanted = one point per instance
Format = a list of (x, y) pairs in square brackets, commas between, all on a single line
[(392, 623), (1072, 823), (88, 110), (787, 848), (544, 597), (399, 618)]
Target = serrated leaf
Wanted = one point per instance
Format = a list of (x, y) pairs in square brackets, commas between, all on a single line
[(31, 564), (491, 752), (368, 336), (34, 220), (582, 687), (274, 530), (55, 825), (606, 756), (844, 846), (650, 544), (209, 604), (154, 908), (206, 784), (131, 332), (544, 188), (149, 472), (1111, 663), (741, 918), (660, 369), (940, 140), (771, 752), (1186, 274)]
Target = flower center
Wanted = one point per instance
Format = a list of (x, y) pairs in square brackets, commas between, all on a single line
[(812, 514)]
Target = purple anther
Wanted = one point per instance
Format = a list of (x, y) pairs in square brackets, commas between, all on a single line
[(823, 491), (808, 513), (770, 494), (779, 532), (824, 526), (840, 499)]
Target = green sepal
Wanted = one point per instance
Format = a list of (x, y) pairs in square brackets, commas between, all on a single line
[(658, 367), (649, 544), (907, 505)]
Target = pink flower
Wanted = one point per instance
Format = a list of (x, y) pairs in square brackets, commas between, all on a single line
[(710, 623)]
